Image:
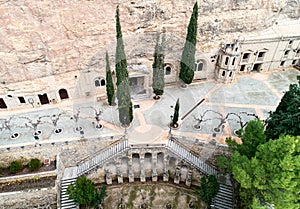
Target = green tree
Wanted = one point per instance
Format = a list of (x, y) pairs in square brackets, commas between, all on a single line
[(158, 82), (15, 167), (251, 137), (110, 89), (187, 62), (209, 188), (176, 114), (34, 164), (272, 175), (123, 89), (85, 194), (286, 118)]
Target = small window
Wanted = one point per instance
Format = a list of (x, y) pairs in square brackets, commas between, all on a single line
[(246, 55), (290, 42), (282, 63), (294, 62), (223, 73), (168, 70), (242, 68), (99, 82), (261, 54), (21, 100), (233, 61), (230, 74), (286, 52), (226, 60), (236, 49), (298, 51)]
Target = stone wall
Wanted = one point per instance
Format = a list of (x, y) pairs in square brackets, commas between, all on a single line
[(41, 38), (45, 198)]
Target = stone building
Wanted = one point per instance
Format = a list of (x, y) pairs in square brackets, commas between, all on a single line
[(54, 54)]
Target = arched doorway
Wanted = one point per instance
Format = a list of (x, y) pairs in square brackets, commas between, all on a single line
[(43, 99), (63, 94)]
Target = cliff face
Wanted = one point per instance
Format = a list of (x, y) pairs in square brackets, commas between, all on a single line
[(40, 38)]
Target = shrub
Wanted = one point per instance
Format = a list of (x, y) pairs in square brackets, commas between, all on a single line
[(34, 164), (15, 167)]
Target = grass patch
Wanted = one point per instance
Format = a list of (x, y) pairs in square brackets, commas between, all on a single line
[(132, 197)]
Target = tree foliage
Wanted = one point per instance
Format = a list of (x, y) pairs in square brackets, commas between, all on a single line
[(34, 164), (209, 188), (123, 89), (158, 78), (15, 167), (176, 113), (110, 89), (85, 194), (251, 137), (272, 175), (286, 118), (187, 62)]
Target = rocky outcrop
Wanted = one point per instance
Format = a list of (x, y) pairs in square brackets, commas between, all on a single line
[(42, 38)]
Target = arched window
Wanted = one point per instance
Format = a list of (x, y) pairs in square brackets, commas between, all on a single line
[(99, 82), (168, 69), (199, 65), (226, 60)]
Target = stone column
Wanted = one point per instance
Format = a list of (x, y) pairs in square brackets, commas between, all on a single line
[(166, 171), (108, 177), (154, 162), (188, 180), (142, 174), (177, 176)]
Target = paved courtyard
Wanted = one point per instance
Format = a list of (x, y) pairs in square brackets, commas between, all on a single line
[(225, 109)]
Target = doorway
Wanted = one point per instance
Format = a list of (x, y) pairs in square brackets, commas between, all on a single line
[(63, 94), (256, 67), (43, 99), (2, 104)]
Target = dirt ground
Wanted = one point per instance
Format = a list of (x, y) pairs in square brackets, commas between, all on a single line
[(151, 196)]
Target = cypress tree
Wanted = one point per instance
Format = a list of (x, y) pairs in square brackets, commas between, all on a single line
[(123, 89), (176, 115), (110, 90), (187, 63), (158, 82)]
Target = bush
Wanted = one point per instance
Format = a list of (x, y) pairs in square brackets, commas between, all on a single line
[(15, 167), (34, 164)]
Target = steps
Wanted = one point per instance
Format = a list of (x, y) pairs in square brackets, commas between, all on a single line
[(190, 157), (65, 202), (223, 200)]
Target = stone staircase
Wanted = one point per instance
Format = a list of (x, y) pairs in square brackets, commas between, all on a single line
[(65, 201), (186, 154), (87, 165), (223, 200)]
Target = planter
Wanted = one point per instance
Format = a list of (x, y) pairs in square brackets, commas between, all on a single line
[(156, 97), (197, 127), (15, 135), (37, 133), (99, 126), (174, 126), (58, 130)]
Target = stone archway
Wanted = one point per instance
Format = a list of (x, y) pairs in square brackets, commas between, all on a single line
[(43, 99)]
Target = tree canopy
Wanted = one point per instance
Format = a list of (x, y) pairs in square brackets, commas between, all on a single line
[(272, 175), (187, 62), (123, 89), (286, 118), (158, 78), (251, 137), (176, 113), (85, 194), (209, 188), (110, 89)]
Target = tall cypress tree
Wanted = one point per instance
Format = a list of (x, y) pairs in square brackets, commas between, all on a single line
[(187, 63), (110, 90), (123, 89), (176, 115), (158, 77)]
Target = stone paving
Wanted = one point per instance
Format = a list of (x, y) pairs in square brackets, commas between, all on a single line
[(250, 94)]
